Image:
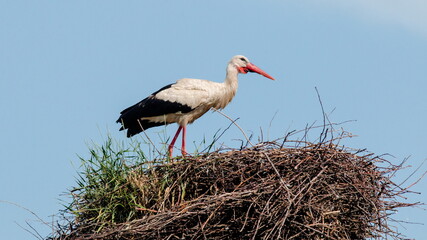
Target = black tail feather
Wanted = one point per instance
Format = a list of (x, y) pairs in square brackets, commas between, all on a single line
[(138, 126)]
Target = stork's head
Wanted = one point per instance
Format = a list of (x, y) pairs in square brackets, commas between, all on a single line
[(243, 65)]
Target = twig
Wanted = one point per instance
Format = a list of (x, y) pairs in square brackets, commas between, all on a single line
[(35, 233), (234, 122), (149, 139)]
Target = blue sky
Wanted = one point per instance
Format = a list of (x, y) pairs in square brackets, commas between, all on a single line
[(68, 68)]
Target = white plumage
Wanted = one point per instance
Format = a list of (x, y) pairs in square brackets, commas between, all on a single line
[(185, 101)]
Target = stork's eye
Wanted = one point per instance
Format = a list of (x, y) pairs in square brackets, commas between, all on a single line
[(244, 60)]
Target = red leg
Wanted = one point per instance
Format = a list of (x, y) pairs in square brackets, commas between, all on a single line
[(184, 135), (170, 148)]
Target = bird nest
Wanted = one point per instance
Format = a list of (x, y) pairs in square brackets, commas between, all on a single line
[(315, 191)]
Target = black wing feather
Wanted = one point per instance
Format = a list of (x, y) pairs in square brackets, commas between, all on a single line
[(149, 107)]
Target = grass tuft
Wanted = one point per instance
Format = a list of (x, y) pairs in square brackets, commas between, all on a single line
[(104, 195)]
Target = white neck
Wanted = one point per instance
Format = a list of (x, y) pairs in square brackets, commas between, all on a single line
[(231, 77), (229, 87)]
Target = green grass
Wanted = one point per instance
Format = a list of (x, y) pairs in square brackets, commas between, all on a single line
[(103, 194)]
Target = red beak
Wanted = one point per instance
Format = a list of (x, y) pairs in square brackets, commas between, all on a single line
[(252, 68)]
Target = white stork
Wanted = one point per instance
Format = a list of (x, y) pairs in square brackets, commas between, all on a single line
[(185, 101)]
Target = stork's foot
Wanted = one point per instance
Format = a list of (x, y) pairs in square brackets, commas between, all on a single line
[(184, 153)]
